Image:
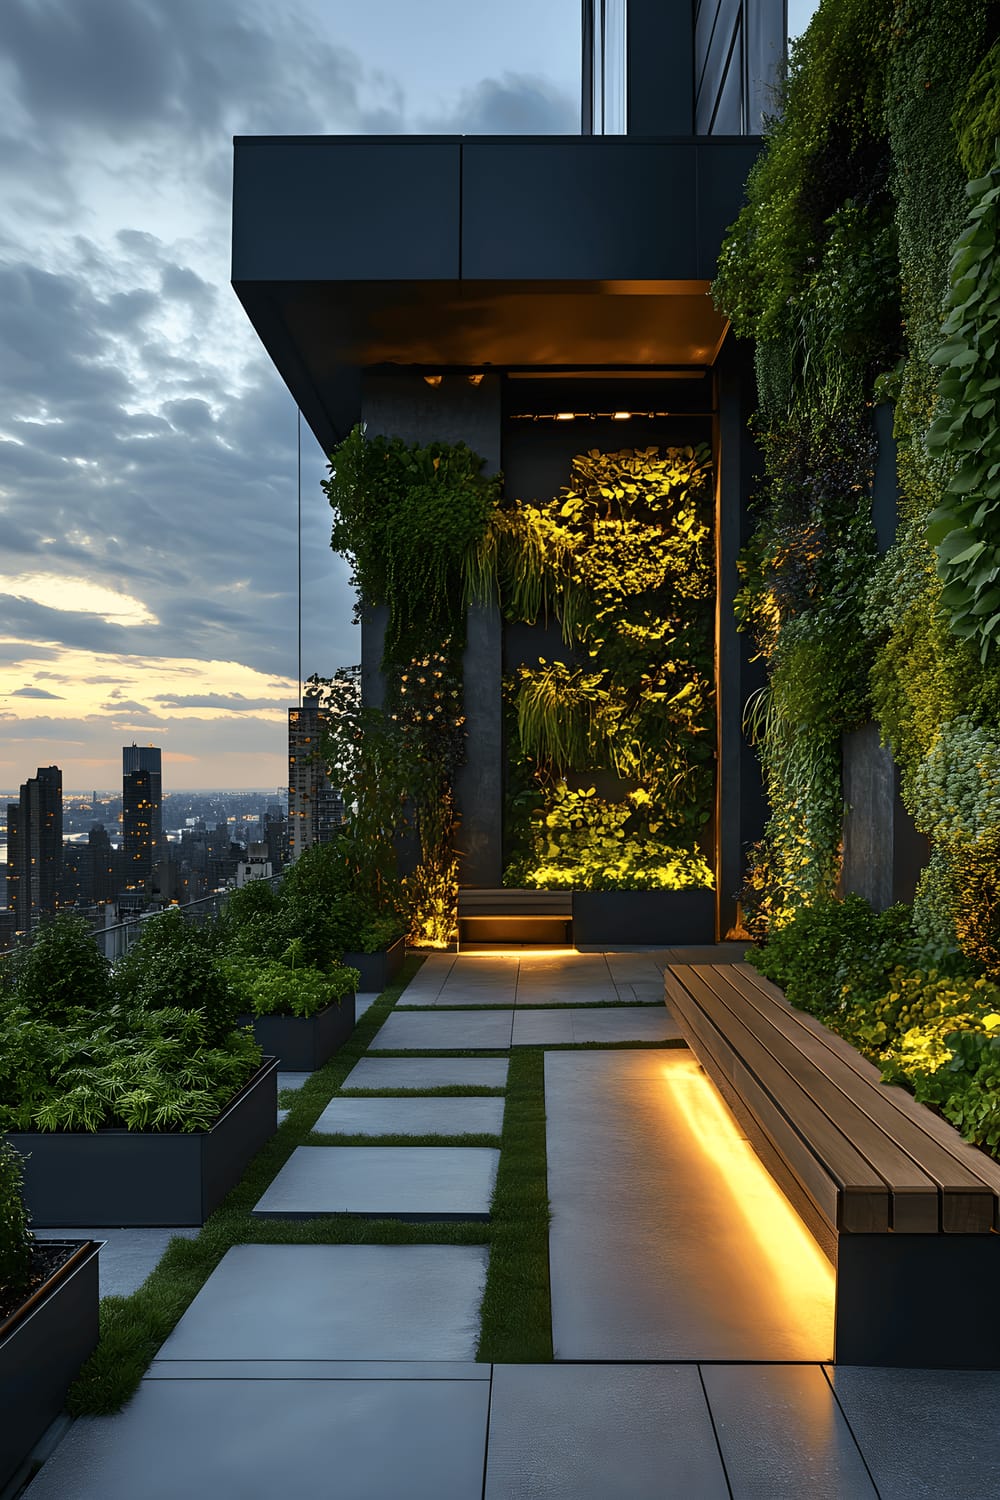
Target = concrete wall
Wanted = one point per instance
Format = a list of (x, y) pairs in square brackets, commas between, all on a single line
[(406, 406)]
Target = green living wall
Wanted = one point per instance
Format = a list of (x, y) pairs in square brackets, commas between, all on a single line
[(865, 268), (623, 559)]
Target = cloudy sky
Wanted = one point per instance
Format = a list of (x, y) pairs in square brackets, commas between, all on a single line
[(147, 447)]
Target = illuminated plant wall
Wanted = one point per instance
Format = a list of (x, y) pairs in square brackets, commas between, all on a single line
[(611, 747)]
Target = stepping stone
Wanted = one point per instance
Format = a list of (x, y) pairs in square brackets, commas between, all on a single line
[(455, 1030), (127, 1256), (292, 1080), (362, 1002), (336, 1302), (428, 1073), (587, 1432), (655, 1195), (383, 1182), (621, 1023), (205, 1439), (412, 1117)]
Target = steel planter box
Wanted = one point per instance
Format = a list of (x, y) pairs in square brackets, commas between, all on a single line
[(377, 969), (42, 1352), (138, 1178), (302, 1044), (662, 919)]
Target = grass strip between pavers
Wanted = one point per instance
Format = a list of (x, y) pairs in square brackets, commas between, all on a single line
[(516, 1310)]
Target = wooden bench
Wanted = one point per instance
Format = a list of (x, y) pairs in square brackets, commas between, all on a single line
[(904, 1208), (514, 916)]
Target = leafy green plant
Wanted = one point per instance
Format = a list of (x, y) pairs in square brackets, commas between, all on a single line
[(16, 1238), (954, 794), (63, 970), (963, 528), (173, 966), (275, 989)]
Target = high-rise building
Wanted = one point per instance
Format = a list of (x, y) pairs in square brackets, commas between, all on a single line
[(35, 848), (315, 808), (142, 813)]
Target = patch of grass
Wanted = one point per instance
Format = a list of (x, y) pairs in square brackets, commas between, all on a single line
[(517, 1307)]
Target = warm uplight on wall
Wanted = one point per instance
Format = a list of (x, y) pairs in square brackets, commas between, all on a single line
[(597, 416), (565, 416), (433, 379), (476, 379), (621, 416)]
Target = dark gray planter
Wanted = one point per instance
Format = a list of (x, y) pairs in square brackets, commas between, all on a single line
[(662, 919), (303, 1043), (41, 1351), (139, 1178), (377, 969)]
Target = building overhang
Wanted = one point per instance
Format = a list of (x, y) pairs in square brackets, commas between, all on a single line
[(354, 253)]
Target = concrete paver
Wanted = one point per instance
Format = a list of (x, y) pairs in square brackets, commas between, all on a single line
[(668, 1239), (383, 1182), (464, 1116), (445, 1031), (619, 1023), (128, 1255), (332, 1302), (428, 1073)]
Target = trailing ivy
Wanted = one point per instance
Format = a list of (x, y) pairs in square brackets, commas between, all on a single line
[(965, 528)]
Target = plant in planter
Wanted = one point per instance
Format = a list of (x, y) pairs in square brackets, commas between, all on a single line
[(155, 1059), (299, 1014), (48, 1319)]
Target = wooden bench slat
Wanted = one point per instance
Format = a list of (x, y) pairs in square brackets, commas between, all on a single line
[(795, 1121), (915, 1195), (836, 1125), (981, 1166), (968, 1205)]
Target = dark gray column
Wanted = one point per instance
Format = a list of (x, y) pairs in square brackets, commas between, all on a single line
[(883, 851), (406, 406)]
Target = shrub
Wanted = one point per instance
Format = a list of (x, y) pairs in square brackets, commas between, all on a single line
[(63, 970), (173, 965), (833, 959), (15, 1236), (270, 989)]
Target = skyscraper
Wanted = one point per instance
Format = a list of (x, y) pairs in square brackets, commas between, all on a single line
[(315, 808), (35, 848), (142, 813)]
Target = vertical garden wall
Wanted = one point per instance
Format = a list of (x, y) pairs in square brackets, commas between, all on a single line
[(865, 268), (570, 628)]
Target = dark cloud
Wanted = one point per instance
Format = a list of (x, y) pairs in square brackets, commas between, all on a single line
[(32, 692)]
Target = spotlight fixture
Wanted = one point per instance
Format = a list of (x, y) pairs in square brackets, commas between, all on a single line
[(620, 416), (565, 416), (433, 379), (476, 379)]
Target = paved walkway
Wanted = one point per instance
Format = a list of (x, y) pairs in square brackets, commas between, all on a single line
[(689, 1353)]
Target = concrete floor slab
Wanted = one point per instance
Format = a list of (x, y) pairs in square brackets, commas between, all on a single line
[(925, 1434), (128, 1255), (383, 1182), (456, 1030), (317, 1369), (618, 1023), (429, 978), (363, 1002), (292, 1080), (669, 1241), (336, 1302), (464, 1116), (428, 1073), (782, 1434), (206, 1440), (590, 1432)]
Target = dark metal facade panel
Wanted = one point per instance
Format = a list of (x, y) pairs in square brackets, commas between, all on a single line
[(579, 209), (660, 77), (723, 166), (337, 208)]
